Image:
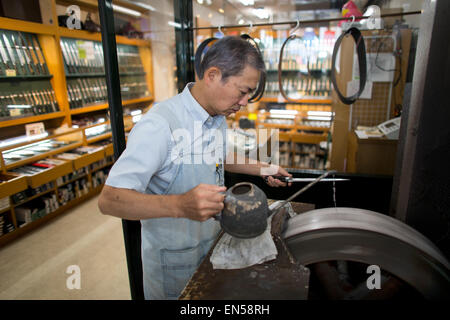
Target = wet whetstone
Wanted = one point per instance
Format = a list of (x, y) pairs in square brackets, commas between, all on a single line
[(281, 278)]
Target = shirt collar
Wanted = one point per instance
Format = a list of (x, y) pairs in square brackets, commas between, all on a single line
[(198, 112)]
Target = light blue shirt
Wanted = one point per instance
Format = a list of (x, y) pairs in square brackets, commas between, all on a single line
[(172, 248), (146, 165)]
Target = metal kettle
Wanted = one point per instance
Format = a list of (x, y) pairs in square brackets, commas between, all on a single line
[(245, 211)]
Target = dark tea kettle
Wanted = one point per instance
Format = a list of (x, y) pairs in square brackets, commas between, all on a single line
[(246, 210)]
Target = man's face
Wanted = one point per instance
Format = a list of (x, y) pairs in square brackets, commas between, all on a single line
[(229, 96)]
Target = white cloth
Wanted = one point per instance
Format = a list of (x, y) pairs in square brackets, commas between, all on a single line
[(235, 253)]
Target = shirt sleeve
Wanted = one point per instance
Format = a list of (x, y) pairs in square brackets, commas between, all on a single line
[(147, 148)]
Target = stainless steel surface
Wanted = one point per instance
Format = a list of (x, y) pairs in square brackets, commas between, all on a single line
[(313, 179), (282, 203), (372, 238)]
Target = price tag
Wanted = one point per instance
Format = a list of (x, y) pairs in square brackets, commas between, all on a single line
[(33, 129), (85, 50), (10, 72), (14, 112)]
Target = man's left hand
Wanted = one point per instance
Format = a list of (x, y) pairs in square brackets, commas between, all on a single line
[(274, 182)]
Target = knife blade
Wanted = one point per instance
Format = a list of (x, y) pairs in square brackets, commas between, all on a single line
[(288, 179)]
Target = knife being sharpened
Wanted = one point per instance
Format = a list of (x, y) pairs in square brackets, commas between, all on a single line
[(288, 179)]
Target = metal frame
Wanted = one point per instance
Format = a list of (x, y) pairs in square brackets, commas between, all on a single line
[(131, 229), (184, 40), (423, 173)]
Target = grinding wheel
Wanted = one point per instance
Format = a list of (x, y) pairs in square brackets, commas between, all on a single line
[(362, 236)]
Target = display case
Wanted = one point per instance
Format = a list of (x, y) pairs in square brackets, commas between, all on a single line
[(51, 174)]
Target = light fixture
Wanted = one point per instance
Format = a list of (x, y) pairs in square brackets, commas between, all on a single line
[(21, 139), (136, 112), (247, 2), (200, 1), (126, 11), (319, 118), (261, 13), (140, 4), (221, 10), (241, 21), (174, 24), (320, 113), (283, 111), (282, 116), (19, 106)]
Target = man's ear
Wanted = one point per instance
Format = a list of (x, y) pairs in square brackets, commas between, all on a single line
[(212, 75)]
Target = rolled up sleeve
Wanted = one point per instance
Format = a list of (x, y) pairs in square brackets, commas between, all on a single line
[(148, 146)]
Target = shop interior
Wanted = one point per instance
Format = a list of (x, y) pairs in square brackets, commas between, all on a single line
[(61, 131)]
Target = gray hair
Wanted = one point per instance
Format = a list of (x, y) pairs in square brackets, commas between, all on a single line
[(231, 55)]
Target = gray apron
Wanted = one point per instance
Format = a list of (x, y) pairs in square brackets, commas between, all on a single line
[(172, 248)]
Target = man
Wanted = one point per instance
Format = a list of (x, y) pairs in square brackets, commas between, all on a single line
[(168, 185)]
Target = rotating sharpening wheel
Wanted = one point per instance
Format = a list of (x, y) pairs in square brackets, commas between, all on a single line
[(357, 235)]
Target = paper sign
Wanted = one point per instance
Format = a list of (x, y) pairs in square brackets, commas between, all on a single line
[(33, 129), (353, 87), (380, 67), (10, 72), (85, 49)]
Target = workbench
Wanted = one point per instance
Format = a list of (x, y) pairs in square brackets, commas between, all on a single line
[(281, 278)]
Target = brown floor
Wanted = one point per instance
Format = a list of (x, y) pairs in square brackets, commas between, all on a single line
[(34, 266)]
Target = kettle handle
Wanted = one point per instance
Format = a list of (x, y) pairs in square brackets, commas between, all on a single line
[(218, 216)]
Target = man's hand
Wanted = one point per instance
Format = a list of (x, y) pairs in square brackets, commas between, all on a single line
[(201, 203), (277, 171)]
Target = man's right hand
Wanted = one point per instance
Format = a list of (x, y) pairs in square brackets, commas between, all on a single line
[(201, 203)]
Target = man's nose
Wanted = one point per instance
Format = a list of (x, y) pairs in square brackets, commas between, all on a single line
[(244, 101)]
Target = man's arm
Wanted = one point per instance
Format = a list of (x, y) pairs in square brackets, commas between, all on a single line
[(200, 203), (236, 164)]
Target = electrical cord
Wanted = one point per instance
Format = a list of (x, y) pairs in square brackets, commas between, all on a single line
[(361, 51)]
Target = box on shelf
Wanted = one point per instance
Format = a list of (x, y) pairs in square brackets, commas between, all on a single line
[(11, 184), (44, 171), (83, 156)]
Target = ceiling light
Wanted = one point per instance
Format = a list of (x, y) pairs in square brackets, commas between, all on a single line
[(221, 10), (126, 11), (241, 21), (143, 5), (283, 111), (247, 2), (261, 13), (200, 1), (282, 116), (174, 24), (320, 113)]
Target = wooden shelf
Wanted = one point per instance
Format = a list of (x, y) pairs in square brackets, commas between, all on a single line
[(34, 197), (317, 100), (43, 155), (105, 106), (2, 211), (32, 225), (24, 120), (99, 137), (49, 36), (26, 26), (12, 185), (94, 36), (91, 108), (72, 180)]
